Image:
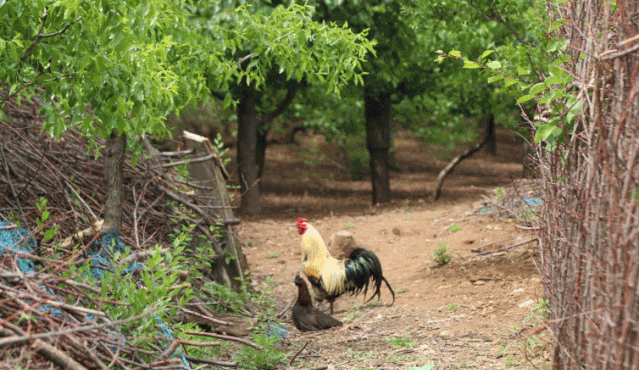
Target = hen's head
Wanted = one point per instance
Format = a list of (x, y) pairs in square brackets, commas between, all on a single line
[(301, 225), (298, 280)]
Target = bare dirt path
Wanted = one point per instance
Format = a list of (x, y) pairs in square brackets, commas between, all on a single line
[(474, 312)]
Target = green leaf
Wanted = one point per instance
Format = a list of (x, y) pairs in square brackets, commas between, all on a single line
[(455, 53), (495, 78), (525, 98), (470, 65), (537, 88), (521, 71), (509, 82), (493, 64), (557, 24), (558, 79), (545, 131), (49, 234), (485, 54)]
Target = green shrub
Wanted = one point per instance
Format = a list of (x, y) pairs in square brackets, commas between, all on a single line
[(441, 255)]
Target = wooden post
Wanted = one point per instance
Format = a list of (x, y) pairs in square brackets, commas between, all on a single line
[(211, 176)]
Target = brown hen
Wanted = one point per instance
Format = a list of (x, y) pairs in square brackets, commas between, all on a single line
[(305, 316)]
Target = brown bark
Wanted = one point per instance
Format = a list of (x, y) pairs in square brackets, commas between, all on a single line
[(114, 155), (377, 113), (247, 150), (251, 143), (449, 168), (491, 139)]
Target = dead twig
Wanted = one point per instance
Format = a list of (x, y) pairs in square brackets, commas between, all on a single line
[(285, 309), (508, 247), (225, 337), (478, 250), (298, 353)]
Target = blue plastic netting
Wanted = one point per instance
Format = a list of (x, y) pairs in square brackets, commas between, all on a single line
[(100, 252), (19, 240)]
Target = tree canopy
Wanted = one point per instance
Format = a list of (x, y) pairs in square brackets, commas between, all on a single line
[(126, 65)]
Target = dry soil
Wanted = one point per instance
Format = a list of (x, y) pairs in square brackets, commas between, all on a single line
[(476, 312)]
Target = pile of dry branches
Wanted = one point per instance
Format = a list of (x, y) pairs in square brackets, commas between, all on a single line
[(47, 314), (36, 320), (590, 222), (44, 317), (34, 165)]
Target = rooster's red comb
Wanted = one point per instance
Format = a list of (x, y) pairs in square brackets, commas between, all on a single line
[(301, 227)]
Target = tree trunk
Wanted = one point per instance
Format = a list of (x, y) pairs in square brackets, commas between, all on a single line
[(114, 155), (262, 134), (247, 138), (264, 126), (377, 112), (491, 144)]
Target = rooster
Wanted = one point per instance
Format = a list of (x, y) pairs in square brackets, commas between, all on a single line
[(333, 277), (305, 316)]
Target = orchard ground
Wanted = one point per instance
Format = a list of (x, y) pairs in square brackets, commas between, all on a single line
[(478, 311)]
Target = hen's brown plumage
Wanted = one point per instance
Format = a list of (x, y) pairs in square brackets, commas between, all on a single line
[(305, 316)]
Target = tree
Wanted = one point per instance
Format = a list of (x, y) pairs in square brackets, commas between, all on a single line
[(113, 71), (300, 50), (116, 71), (393, 73)]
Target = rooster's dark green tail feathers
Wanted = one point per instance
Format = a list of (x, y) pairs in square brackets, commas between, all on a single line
[(362, 266)]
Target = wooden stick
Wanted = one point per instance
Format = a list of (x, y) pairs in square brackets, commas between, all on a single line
[(478, 250), (288, 306), (298, 353), (509, 247), (56, 356), (206, 317), (225, 337), (25, 338), (211, 362)]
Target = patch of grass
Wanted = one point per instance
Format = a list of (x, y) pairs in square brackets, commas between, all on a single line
[(256, 359), (451, 307), (352, 316), (402, 289), (499, 193), (271, 255), (394, 357), (390, 240), (406, 204), (527, 215), (250, 243), (441, 255), (400, 342), (464, 365), (454, 228), (350, 225), (542, 307), (361, 355), (424, 367), (406, 218), (510, 362)]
